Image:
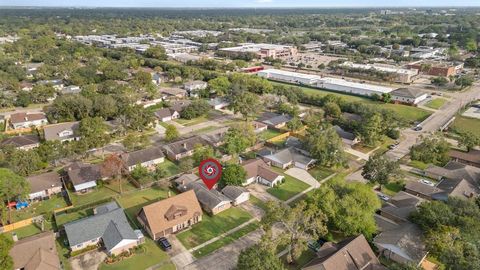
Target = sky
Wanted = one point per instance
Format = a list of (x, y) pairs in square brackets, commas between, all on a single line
[(239, 3)]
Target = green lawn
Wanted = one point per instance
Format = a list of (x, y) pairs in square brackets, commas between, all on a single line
[(409, 113), (418, 164), (30, 230), (170, 167), (62, 219), (268, 134), (392, 188), (133, 202), (288, 189), (466, 124), (257, 202), (213, 226), (39, 208), (191, 122), (63, 252), (436, 103), (304, 258), (320, 172), (108, 190), (226, 240), (153, 255)]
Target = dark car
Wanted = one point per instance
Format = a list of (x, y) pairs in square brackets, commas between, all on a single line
[(164, 244)]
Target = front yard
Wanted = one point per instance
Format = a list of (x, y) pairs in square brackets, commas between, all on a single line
[(213, 226), (321, 173), (436, 103), (466, 124), (152, 256), (289, 188), (191, 122)]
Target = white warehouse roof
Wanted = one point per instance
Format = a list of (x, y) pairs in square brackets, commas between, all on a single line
[(363, 86), (289, 74)]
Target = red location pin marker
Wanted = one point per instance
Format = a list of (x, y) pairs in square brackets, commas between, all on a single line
[(210, 172)]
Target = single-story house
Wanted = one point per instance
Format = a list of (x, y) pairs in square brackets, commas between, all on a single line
[(71, 89), (400, 206), (172, 93), (258, 171), (63, 132), (455, 188), (353, 253), (421, 190), (108, 226), (194, 86), (218, 103), (259, 127), (37, 252), (274, 120), (22, 142), (290, 157), (170, 215), (471, 158), (237, 195), (27, 120), (408, 96), (402, 244), (183, 148), (212, 201), (454, 170), (348, 138), (147, 158), (167, 114), (215, 138), (83, 176), (44, 185)]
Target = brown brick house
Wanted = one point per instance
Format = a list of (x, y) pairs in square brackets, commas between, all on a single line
[(170, 215)]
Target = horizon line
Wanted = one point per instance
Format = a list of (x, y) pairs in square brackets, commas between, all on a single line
[(246, 7)]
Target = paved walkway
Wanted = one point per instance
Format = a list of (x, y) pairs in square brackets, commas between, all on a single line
[(179, 255), (309, 189), (303, 176), (222, 235)]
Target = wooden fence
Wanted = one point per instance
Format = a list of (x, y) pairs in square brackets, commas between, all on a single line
[(19, 224)]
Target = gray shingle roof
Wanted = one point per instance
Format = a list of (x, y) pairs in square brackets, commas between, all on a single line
[(141, 156), (207, 198), (19, 141), (183, 146), (233, 192), (407, 92), (52, 132), (111, 226), (288, 155)]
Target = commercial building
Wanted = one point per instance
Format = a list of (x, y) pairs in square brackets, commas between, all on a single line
[(408, 96), (401, 75), (289, 76), (434, 68), (262, 50), (363, 89)]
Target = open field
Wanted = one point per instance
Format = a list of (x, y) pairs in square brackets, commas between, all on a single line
[(213, 226), (465, 124)]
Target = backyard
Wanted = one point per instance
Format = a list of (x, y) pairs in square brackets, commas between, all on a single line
[(38, 208), (289, 188), (268, 134), (30, 230), (213, 226), (108, 190)]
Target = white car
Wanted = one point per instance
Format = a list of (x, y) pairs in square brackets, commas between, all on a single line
[(383, 197), (426, 182)]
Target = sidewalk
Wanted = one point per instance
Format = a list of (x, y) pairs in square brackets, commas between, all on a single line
[(309, 189), (222, 235)]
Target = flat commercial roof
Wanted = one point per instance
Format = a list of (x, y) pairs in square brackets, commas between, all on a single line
[(369, 87), (253, 47), (290, 74)]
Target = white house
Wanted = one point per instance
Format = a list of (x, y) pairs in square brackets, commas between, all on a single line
[(194, 86), (27, 120), (63, 132), (238, 195), (167, 114), (258, 172), (147, 158), (408, 95)]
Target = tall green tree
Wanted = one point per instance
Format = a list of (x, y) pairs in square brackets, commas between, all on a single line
[(258, 258), (6, 244), (245, 103), (171, 133), (349, 207), (239, 137), (432, 149), (12, 187), (233, 174), (94, 132), (380, 169), (325, 145)]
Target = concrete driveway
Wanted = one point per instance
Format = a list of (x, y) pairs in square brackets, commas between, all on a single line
[(303, 176), (260, 191), (226, 257), (88, 261), (179, 254)]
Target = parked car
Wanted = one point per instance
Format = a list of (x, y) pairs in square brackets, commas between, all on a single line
[(164, 243), (392, 146), (418, 128), (427, 182), (383, 197)]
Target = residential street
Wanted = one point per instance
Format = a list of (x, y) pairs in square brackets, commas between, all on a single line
[(435, 121)]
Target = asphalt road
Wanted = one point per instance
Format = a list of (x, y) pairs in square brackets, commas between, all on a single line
[(435, 121)]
